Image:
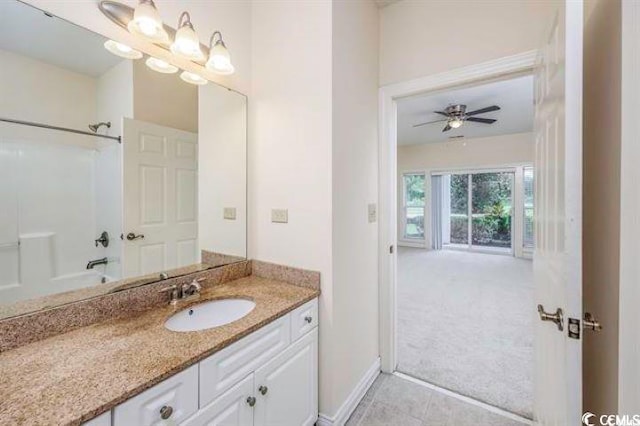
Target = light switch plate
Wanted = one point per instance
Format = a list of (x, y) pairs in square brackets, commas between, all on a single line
[(279, 215), (373, 213), (230, 213)]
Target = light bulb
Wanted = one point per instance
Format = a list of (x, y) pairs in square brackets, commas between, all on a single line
[(186, 42), (161, 66), (122, 50), (192, 78), (219, 59), (454, 123), (147, 23)]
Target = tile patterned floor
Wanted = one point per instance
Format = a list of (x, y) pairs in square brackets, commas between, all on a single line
[(394, 401)]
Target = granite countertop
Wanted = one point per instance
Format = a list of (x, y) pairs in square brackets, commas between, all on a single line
[(73, 377)]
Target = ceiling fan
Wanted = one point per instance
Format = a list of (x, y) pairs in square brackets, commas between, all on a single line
[(457, 115)]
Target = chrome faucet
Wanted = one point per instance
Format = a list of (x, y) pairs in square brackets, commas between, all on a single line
[(94, 263), (184, 291)]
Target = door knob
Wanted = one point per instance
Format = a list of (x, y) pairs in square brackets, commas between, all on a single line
[(555, 317), (251, 401), (263, 390), (131, 236), (590, 323)]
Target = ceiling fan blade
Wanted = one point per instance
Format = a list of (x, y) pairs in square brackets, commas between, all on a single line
[(446, 128), (428, 122), (483, 110), (482, 120), (441, 113)]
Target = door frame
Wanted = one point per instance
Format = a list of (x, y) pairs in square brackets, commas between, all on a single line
[(388, 96)]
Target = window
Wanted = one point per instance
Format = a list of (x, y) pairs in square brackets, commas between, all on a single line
[(413, 205), (527, 238), (459, 216)]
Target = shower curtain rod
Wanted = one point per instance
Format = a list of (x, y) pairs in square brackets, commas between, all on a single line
[(63, 129)]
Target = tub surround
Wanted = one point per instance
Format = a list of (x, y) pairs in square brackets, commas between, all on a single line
[(75, 376)]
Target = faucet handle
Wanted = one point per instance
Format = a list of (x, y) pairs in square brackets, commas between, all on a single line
[(168, 289)]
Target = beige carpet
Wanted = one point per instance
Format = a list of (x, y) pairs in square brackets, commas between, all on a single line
[(465, 324)]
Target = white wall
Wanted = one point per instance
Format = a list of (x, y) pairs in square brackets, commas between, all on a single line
[(222, 170), (354, 334), (419, 38), (290, 148), (478, 153)]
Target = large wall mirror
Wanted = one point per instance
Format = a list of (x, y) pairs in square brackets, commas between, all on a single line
[(112, 174)]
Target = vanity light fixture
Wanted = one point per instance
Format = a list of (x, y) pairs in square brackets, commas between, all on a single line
[(219, 59), (122, 50), (186, 42), (147, 23), (161, 66), (193, 78)]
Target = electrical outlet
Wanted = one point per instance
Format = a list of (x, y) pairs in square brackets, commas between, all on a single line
[(230, 213), (373, 213), (279, 215)]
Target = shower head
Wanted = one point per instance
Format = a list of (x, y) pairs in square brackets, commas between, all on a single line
[(94, 127)]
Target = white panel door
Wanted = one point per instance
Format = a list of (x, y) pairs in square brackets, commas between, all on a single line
[(160, 198), (232, 408), (558, 219), (287, 387)]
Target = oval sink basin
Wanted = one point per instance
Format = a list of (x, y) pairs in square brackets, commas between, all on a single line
[(209, 314)]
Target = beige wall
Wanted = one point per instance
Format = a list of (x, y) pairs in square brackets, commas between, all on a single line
[(601, 201), (354, 342), (419, 38), (164, 99)]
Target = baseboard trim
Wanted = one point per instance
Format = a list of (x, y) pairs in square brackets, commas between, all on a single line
[(354, 398)]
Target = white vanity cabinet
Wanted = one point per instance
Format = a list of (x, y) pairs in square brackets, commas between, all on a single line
[(268, 378)]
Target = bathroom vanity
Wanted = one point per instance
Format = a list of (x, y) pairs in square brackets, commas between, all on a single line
[(260, 369)]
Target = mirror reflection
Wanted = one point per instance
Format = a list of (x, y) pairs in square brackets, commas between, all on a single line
[(113, 172)]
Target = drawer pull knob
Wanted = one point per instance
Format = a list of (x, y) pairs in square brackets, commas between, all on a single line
[(166, 411), (263, 390), (308, 319), (251, 401)]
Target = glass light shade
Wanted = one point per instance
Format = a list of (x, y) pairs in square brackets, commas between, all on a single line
[(161, 66), (220, 60), (192, 78), (187, 44), (455, 123), (147, 23), (122, 50)]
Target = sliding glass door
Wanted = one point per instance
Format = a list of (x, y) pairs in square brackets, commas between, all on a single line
[(480, 210)]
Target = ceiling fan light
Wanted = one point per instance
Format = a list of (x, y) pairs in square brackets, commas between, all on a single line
[(147, 23), (455, 123)]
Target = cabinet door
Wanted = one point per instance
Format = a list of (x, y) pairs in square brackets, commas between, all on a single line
[(232, 408), (286, 388), (168, 402), (102, 420)]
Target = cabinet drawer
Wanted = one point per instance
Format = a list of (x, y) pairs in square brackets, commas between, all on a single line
[(222, 370), (179, 392), (304, 319)]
